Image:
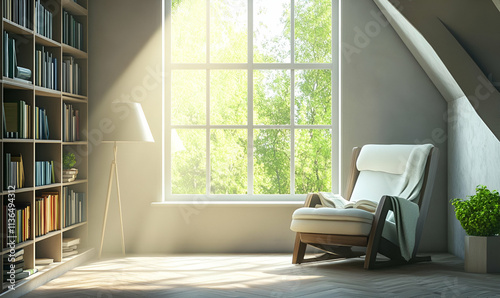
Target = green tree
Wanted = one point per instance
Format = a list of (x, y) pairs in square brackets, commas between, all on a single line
[(271, 93)]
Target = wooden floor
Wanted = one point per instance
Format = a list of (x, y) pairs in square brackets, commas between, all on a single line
[(265, 276)]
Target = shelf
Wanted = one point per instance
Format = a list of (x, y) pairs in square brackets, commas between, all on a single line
[(17, 191), (74, 97), (42, 91), (44, 187), (16, 28), (8, 140), (49, 272), (74, 226), (18, 246), (77, 181), (48, 235), (75, 143), (16, 84), (74, 8), (47, 141), (45, 41), (79, 54), (53, 116)]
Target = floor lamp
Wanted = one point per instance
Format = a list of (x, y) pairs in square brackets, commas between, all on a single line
[(129, 125)]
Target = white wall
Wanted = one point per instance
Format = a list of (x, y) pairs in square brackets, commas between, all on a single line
[(125, 50), (388, 98)]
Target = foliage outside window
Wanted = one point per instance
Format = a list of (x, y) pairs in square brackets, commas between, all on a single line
[(253, 115)]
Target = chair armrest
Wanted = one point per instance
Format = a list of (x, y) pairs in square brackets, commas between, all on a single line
[(312, 200)]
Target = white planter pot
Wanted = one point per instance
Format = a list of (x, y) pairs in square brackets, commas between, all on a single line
[(482, 254)]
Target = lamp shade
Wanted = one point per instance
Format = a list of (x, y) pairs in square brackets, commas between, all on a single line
[(128, 124)]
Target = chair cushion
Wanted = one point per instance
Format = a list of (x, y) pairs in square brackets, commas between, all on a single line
[(332, 221)]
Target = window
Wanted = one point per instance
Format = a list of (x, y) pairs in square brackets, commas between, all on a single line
[(251, 98)]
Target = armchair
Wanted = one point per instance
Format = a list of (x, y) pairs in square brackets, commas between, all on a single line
[(400, 178)]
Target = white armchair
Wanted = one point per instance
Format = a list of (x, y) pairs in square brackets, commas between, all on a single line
[(400, 178)]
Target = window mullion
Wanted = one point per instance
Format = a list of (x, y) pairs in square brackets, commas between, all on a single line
[(207, 102), (292, 97), (250, 170)]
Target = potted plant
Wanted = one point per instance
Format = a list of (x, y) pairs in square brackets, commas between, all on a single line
[(69, 172), (480, 218)]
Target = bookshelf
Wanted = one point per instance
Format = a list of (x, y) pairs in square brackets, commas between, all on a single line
[(48, 38)]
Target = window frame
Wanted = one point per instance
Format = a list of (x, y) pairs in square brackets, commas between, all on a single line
[(168, 67)]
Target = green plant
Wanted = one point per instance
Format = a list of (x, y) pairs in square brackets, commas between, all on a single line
[(69, 160), (480, 214)]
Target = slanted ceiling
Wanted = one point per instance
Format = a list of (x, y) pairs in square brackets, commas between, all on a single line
[(465, 36)]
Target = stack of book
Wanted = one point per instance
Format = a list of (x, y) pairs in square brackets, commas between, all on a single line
[(13, 267), (69, 175), (10, 67), (14, 171), (70, 247), (72, 31), (41, 124), (44, 173), (45, 68), (74, 207), (18, 11), (47, 213), (71, 123), (43, 261), (43, 22), (17, 120), (71, 74)]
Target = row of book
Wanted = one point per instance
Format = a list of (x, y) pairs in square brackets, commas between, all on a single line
[(74, 207), (18, 11), (14, 171), (19, 228), (71, 73), (47, 213), (42, 131), (14, 267), (44, 173), (10, 67), (43, 23), (72, 31), (17, 122), (71, 123), (45, 68)]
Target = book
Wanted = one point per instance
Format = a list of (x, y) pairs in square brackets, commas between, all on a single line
[(16, 265), (68, 242), (329, 199), (70, 248), (17, 276), (23, 73), (18, 253), (16, 271), (13, 259), (66, 254), (43, 261)]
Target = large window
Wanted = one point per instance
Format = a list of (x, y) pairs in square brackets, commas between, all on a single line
[(251, 94)]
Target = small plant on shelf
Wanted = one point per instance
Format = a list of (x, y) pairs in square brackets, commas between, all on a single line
[(69, 171), (480, 214)]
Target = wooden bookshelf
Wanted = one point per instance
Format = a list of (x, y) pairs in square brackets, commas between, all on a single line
[(50, 100)]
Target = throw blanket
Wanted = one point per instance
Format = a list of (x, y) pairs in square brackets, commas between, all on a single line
[(414, 172), (405, 218)]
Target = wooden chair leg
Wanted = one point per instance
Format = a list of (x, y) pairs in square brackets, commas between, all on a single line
[(376, 232), (298, 251)]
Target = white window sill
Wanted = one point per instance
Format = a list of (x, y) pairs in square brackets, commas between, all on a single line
[(231, 203)]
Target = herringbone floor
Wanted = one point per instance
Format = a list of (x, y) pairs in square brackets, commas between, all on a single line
[(266, 276)]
